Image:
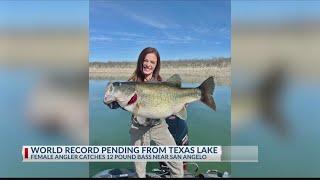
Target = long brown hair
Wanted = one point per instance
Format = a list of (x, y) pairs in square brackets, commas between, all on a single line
[(138, 73)]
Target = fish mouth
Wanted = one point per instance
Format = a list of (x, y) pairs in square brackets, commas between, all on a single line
[(108, 99), (107, 103)]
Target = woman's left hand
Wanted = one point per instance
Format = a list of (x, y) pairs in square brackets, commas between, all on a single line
[(171, 117)]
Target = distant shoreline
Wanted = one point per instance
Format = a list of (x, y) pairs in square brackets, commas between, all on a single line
[(191, 71)]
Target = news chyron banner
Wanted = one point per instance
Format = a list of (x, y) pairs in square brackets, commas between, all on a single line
[(120, 153), (138, 153)]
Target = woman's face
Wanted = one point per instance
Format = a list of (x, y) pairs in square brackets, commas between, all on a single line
[(149, 63)]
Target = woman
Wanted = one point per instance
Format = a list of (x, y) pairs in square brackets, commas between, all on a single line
[(143, 131)]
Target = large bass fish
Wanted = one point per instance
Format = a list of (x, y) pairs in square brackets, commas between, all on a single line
[(159, 100)]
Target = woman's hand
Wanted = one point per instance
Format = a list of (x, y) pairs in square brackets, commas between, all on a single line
[(172, 117)]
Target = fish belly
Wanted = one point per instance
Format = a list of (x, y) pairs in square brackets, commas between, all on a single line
[(161, 101), (155, 112)]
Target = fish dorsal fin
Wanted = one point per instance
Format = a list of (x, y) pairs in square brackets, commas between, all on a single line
[(174, 80), (182, 114)]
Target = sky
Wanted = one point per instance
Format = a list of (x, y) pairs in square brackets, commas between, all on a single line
[(274, 11), (45, 13), (179, 29), (119, 30)]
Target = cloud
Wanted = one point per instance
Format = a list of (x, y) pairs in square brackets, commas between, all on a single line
[(201, 29), (165, 38), (168, 39), (101, 38), (225, 32), (147, 21), (115, 36), (126, 34), (138, 17), (221, 31), (181, 39)]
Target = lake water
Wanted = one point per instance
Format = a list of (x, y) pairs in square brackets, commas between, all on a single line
[(206, 127), (297, 155), (294, 155), (16, 131)]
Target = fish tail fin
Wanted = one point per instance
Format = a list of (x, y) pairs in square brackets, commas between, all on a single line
[(206, 89)]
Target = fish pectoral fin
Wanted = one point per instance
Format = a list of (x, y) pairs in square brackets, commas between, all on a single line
[(182, 114), (174, 80)]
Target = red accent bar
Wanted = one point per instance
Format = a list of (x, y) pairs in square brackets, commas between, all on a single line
[(26, 153)]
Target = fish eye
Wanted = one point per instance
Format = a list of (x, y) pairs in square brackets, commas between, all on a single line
[(117, 84)]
